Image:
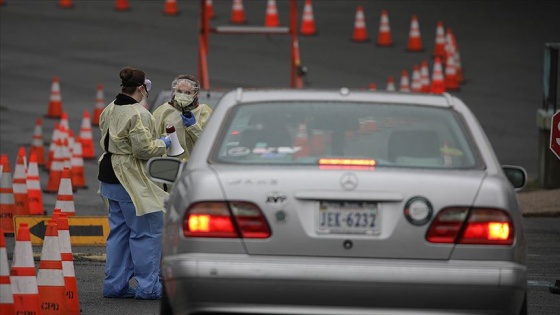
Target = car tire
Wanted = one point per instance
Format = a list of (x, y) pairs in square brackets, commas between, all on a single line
[(523, 310), (165, 306)]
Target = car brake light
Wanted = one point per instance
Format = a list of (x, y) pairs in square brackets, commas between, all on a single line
[(482, 226), (214, 219), (355, 164)]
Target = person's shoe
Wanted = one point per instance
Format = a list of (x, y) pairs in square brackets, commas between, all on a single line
[(129, 294)]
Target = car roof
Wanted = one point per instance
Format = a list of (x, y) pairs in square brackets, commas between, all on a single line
[(247, 95)]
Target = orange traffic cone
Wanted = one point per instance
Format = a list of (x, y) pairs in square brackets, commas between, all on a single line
[(416, 85), (50, 278), (372, 87), (384, 38), (390, 84), (77, 162), (67, 158), (19, 186), (121, 5), (237, 12), (7, 203), (64, 125), (438, 81), (414, 39), (425, 77), (23, 274), (99, 105), (65, 4), (52, 146), (37, 144), (34, 193), (7, 297), (56, 168), (439, 47), (307, 20), (271, 18), (70, 282), (454, 47), (210, 9), (300, 142), (65, 198), (88, 151), (451, 82), (405, 82), (360, 31), (171, 7), (55, 102)]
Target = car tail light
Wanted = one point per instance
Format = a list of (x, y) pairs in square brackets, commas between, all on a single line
[(479, 226), (355, 164), (214, 219)]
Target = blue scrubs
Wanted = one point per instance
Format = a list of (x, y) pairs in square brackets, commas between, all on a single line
[(133, 247)]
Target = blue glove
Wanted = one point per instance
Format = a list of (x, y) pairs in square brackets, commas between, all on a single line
[(167, 141), (188, 120)]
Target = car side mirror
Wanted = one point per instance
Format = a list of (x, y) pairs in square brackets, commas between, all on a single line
[(164, 169), (516, 175)]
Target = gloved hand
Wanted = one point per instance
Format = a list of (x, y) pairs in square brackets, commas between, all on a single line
[(167, 141), (188, 120)]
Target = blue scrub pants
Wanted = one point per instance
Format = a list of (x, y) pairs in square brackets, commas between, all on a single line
[(133, 247)]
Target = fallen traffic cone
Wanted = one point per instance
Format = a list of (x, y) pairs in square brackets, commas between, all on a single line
[(77, 162), (52, 147), (55, 102), (438, 81), (37, 144), (439, 47), (414, 38), (360, 31), (300, 142), (6, 296), (384, 38), (307, 20), (425, 77), (33, 182), (237, 12), (210, 9), (70, 283), (19, 186), (7, 203), (99, 105), (271, 17), (405, 82), (171, 7), (121, 5), (50, 278), (57, 166), (390, 84), (416, 85), (451, 82), (23, 274), (65, 4), (88, 151), (65, 198)]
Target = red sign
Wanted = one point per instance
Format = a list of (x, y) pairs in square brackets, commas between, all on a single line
[(555, 134)]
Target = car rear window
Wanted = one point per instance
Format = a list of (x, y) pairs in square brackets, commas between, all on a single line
[(305, 132)]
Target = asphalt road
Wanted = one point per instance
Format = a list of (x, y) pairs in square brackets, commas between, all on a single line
[(501, 45)]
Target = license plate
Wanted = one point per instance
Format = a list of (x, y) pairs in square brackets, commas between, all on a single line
[(347, 218)]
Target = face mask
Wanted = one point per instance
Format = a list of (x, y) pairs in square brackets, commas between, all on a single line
[(184, 100)]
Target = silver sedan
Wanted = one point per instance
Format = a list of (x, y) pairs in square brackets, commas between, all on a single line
[(342, 202)]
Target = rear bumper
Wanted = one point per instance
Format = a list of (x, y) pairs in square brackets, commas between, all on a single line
[(318, 285)]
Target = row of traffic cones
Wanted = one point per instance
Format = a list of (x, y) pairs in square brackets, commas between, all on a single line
[(50, 290), (22, 194)]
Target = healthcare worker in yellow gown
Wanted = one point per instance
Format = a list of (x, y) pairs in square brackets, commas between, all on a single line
[(184, 113), (128, 140)]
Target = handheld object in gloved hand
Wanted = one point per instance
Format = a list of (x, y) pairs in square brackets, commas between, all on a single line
[(188, 119), (175, 148)]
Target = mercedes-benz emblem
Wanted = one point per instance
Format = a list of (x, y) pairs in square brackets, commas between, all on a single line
[(349, 181)]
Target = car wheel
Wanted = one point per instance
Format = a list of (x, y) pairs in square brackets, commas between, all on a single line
[(523, 310), (165, 307)]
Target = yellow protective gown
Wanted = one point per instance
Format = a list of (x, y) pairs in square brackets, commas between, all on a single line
[(132, 142), (166, 114)]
